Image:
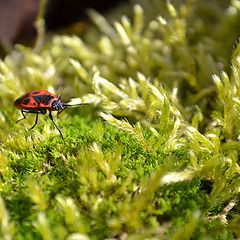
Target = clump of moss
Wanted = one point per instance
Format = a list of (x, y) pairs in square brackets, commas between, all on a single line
[(156, 154)]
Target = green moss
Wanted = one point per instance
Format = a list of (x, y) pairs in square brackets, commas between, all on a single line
[(156, 153)]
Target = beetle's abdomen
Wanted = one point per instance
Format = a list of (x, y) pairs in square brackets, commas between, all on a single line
[(20, 100)]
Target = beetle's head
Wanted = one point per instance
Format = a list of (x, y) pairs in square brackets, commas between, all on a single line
[(57, 105)]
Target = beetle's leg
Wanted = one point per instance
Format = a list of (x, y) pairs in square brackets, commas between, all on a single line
[(32, 111), (51, 117), (60, 112), (42, 111), (36, 121), (21, 118)]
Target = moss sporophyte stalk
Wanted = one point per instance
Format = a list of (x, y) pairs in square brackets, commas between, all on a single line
[(155, 155)]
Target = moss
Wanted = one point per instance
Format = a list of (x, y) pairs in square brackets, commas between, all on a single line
[(155, 154)]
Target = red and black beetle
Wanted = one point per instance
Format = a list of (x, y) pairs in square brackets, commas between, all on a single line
[(39, 102)]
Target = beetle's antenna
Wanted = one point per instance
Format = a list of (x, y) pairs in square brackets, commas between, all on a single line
[(72, 105), (65, 105)]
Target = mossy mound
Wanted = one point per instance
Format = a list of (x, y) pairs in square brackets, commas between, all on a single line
[(156, 153)]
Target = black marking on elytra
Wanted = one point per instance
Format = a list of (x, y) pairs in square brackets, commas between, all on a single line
[(38, 98), (47, 100), (26, 101), (35, 92), (19, 100)]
